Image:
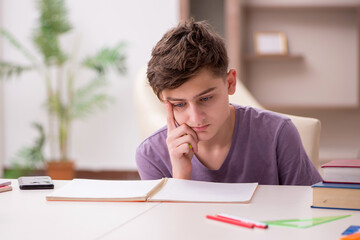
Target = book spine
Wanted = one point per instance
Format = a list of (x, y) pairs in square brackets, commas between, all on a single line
[(336, 208), (156, 189), (324, 181)]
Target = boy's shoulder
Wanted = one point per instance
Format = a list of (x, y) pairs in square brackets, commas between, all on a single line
[(158, 136), (259, 118), (251, 112)]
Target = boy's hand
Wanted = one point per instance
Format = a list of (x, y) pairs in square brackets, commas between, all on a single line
[(182, 143)]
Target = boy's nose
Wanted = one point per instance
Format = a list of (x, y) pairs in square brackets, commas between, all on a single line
[(196, 115)]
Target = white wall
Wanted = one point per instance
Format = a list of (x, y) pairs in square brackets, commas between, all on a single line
[(1, 128), (108, 139), (1, 112)]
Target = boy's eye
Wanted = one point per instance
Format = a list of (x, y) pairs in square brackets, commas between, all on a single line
[(178, 104), (204, 99)]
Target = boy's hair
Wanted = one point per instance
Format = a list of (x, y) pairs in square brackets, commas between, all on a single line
[(182, 52)]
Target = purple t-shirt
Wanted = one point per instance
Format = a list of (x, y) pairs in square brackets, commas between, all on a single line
[(266, 148)]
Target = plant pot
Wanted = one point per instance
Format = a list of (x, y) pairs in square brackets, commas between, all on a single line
[(63, 170)]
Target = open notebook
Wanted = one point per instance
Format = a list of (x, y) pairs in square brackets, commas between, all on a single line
[(166, 189)]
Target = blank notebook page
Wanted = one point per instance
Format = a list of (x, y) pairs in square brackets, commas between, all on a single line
[(197, 191), (84, 188)]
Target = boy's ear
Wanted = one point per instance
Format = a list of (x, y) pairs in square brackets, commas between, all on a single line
[(231, 81)]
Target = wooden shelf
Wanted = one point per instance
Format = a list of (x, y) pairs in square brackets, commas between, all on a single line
[(311, 67), (253, 57), (289, 108), (301, 4)]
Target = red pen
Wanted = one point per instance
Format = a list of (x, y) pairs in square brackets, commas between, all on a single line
[(231, 221), (257, 224)]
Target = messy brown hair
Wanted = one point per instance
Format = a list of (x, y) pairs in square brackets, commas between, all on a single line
[(182, 52)]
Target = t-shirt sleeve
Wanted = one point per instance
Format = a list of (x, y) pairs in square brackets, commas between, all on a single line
[(294, 165), (147, 170)]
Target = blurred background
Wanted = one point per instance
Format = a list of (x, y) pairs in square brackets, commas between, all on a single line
[(318, 78)]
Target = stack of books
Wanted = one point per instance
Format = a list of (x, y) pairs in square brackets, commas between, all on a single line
[(340, 188)]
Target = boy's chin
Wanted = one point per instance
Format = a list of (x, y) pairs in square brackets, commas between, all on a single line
[(204, 136)]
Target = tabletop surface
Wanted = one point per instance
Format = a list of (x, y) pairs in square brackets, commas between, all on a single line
[(27, 214)]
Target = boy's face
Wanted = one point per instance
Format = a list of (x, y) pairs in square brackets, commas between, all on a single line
[(202, 102)]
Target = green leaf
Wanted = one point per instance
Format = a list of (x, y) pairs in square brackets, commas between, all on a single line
[(7, 35), (54, 16), (89, 99), (7, 69), (48, 44), (108, 58), (53, 22), (31, 157)]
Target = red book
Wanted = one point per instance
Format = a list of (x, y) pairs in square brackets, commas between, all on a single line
[(342, 171)]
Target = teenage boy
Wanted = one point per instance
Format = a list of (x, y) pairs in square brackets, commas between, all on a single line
[(206, 138)]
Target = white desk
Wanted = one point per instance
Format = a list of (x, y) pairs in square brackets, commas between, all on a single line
[(26, 214)]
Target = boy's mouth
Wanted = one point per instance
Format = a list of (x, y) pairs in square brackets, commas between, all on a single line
[(200, 128)]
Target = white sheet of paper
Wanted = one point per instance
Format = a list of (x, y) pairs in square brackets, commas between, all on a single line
[(197, 191), (104, 189)]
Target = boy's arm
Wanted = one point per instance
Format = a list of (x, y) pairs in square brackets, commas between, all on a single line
[(295, 167), (146, 167)]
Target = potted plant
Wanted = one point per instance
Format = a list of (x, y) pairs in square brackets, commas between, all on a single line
[(66, 100)]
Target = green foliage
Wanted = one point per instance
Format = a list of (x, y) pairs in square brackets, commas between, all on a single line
[(106, 58), (29, 158), (53, 16), (86, 101), (89, 99), (7, 69), (8, 36), (52, 23), (65, 102), (15, 173), (48, 45)]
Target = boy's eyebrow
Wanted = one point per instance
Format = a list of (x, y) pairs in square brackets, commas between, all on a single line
[(197, 95)]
